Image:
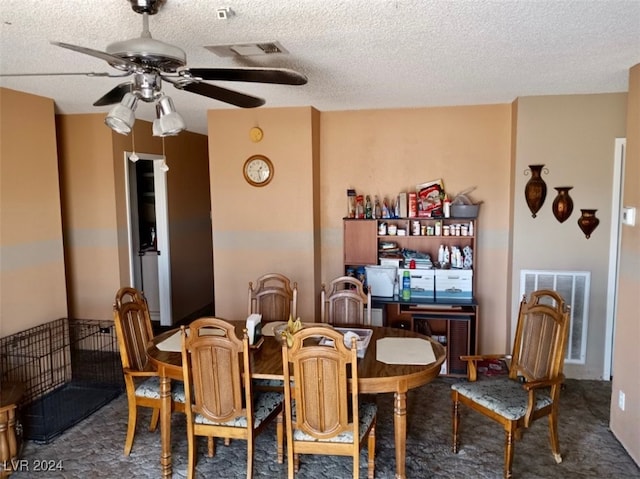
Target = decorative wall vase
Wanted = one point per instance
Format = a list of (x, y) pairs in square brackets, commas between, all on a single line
[(535, 191), (563, 204), (588, 222)]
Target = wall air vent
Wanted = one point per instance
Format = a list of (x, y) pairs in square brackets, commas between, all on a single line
[(573, 286), (247, 49)]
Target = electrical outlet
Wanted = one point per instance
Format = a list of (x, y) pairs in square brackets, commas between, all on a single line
[(621, 400)]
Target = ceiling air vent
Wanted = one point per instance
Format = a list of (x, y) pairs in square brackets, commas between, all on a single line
[(247, 49)]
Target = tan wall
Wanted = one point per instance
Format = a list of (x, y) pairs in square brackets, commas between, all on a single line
[(574, 136), (32, 272), (189, 223), (465, 146), (383, 152), (89, 215), (266, 229), (95, 215), (626, 353)]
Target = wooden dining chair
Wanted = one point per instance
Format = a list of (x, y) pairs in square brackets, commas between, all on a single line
[(133, 331), (532, 388), (219, 393), (344, 302), (324, 415), (274, 297)]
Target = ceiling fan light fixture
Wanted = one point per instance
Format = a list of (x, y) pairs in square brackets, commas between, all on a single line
[(122, 117), (168, 121)]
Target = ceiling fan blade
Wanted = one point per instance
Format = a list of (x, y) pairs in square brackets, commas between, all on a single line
[(49, 74), (222, 94), (115, 94), (281, 76), (113, 60)]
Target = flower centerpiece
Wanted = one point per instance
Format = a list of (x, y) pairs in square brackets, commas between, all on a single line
[(286, 331)]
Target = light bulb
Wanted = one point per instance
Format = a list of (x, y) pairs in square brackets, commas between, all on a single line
[(133, 157), (164, 167)]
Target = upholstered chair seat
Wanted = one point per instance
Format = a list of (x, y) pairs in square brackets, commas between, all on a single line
[(150, 388), (367, 414), (503, 396), (264, 404)]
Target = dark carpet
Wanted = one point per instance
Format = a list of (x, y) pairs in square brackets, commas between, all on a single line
[(93, 448)]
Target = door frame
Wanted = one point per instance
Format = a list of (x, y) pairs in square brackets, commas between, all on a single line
[(614, 255), (162, 228)]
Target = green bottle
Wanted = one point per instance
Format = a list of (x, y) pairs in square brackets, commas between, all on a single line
[(406, 285)]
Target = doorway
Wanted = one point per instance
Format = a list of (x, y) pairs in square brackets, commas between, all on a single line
[(148, 232)]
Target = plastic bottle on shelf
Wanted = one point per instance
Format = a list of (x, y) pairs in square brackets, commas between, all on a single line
[(377, 209), (406, 285), (446, 207), (359, 207), (441, 254), (368, 209), (470, 228)]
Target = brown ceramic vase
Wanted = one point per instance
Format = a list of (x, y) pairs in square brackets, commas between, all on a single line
[(588, 222), (563, 204), (535, 191)]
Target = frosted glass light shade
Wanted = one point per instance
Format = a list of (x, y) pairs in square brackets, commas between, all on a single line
[(121, 117), (169, 122)]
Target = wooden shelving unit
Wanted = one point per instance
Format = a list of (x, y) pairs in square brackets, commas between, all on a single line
[(453, 323)]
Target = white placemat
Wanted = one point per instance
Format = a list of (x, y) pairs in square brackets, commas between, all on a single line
[(268, 328), (405, 351), (172, 344)]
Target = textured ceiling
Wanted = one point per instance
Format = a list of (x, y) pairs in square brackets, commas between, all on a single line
[(357, 54)]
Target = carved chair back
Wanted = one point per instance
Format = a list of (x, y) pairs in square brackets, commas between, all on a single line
[(541, 335), (322, 408), (212, 354), (345, 302), (133, 329), (274, 297)]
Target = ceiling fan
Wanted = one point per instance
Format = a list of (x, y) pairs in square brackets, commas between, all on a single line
[(151, 61)]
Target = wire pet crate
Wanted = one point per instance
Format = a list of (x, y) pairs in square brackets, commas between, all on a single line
[(70, 369)]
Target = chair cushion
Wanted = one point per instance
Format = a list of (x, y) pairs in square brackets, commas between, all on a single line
[(150, 388), (503, 396), (367, 412), (268, 383), (264, 404)]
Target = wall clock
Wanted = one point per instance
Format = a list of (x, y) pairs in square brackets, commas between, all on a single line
[(258, 170)]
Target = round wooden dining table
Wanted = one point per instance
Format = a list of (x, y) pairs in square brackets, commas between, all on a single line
[(266, 363)]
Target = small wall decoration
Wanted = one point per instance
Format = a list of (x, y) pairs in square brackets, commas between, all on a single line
[(588, 222), (535, 191), (563, 203)]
